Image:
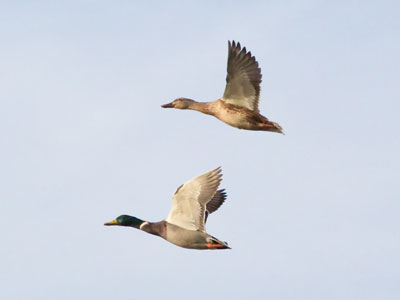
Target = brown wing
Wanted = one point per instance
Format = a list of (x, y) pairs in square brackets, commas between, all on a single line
[(218, 199), (243, 78)]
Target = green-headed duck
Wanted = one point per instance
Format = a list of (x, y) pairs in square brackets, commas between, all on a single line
[(185, 224)]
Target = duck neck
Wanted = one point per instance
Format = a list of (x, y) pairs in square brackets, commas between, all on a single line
[(203, 107), (157, 228)]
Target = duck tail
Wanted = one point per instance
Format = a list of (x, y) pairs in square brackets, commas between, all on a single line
[(215, 244), (272, 126)]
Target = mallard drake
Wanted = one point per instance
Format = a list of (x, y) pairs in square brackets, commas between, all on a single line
[(238, 107), (185, 224)]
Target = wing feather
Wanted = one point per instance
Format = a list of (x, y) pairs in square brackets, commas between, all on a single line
[(190, 200), (243, 78), (215, 203)]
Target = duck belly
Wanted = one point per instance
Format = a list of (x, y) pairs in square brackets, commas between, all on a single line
[(236, 119), (191, 239)]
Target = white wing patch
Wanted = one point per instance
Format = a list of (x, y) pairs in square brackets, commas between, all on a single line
[(190, 200)]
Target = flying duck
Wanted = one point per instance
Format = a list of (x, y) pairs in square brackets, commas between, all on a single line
[(238, 107), (185, 224)]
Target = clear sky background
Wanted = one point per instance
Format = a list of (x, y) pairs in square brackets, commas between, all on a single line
[(310, 215)]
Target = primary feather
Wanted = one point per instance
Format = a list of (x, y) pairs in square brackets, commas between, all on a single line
[(243, 78), (190, 201)]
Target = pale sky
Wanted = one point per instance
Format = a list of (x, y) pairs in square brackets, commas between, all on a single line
[(310, 215)]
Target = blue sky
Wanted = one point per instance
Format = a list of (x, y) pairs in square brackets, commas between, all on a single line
[(313, 214)]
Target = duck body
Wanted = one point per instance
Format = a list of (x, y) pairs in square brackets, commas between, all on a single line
[(185, 224), (190, 239), (236, 116), (239, 105)]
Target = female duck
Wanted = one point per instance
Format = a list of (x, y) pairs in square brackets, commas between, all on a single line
[(238, 107), (185, 224)]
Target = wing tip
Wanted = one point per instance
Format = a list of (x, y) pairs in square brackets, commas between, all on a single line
[(235, 46), (223, 194), (236, 50), (218, 171)]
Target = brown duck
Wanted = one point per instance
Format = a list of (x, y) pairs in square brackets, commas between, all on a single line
[(238, 107)]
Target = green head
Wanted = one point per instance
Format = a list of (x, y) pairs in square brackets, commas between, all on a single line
[(125, 220)]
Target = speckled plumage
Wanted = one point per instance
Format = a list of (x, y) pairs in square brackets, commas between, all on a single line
[(238, 107)]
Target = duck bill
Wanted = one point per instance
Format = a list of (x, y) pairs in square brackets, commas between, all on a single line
[(114, 222), (168, 105)]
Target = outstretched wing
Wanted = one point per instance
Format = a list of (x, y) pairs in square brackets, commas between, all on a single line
[(190, 201), (243, 78), (216, 201)]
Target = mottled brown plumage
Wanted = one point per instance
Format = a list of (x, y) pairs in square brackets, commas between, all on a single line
[(238, 107)]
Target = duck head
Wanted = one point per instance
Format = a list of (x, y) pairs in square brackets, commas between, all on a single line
[(125, 220), (181, 103)]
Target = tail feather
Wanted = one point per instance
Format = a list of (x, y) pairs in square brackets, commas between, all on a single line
[(214, 243), (272, 126)]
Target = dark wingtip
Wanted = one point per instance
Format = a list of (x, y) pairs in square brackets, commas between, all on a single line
[(223, 195)]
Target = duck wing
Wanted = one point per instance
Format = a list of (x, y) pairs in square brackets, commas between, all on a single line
[(216, 201), (190, 201), (243, 78)]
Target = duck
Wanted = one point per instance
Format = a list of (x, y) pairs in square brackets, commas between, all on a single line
[(238, 106), (192, 202)]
